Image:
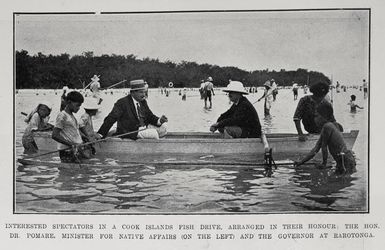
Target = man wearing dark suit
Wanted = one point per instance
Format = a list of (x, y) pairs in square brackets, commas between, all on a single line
[(133, 114), (241, 120)]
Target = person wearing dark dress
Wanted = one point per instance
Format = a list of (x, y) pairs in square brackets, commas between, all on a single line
[(241, 120), (306, 110)]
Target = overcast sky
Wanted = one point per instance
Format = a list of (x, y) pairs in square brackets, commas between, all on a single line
[(335, 43)]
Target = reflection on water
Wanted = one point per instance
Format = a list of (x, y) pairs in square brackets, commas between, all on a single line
[(179, 189), (195, 189), (268, 123)]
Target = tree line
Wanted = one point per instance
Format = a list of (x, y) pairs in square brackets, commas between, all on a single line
[(56, 71)]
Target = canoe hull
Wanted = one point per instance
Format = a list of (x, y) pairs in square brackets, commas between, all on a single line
[(199, 143)]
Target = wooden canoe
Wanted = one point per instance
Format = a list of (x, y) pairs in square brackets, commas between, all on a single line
[(133, 164), (198, 143)]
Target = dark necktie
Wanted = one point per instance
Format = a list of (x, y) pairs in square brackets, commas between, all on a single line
[(140, 114)]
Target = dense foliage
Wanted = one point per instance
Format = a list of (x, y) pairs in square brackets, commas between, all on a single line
[(55, 71)]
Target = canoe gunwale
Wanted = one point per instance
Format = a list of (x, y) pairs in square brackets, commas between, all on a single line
[(199, 143), (197, 137)]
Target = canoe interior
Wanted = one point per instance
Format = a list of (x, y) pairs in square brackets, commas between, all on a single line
[(207, 135)]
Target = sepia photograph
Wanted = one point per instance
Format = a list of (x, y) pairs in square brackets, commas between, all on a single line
[(176, 124), (192, 112)]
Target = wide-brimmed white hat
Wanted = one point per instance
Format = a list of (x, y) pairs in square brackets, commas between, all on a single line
[(236, 86), (210, 79), (138, 85), (65, 88), (95, 78), (90, 103)]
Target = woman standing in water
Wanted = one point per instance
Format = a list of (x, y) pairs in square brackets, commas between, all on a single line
[(268, 95), (306, 110)]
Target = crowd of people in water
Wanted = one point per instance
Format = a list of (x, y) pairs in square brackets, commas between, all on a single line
[(135, 120)]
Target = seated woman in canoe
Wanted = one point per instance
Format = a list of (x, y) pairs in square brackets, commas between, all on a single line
[(241, 120), (331, 139), (37, 121), (306, 110)]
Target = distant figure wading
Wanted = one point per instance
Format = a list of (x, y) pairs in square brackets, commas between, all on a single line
[(207, 91), (295, 90), (269, 98), (274, 86), (365, 87), (353, 105), (94, 87)]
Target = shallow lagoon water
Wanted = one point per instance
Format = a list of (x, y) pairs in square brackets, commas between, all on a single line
[(194, 189)]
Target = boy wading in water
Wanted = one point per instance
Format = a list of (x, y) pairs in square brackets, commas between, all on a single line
[(86, 125), (331, 138), (37, 121), (353, 105), (66, 131)]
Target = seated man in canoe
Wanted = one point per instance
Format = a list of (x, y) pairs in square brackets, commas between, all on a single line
[(134, 117), (241, 120), (331, 140)]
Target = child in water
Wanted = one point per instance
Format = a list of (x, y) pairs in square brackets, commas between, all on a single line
[(353, 105), (331, 139), (66, 131), (37, 121), (184, 94), (86, 126)]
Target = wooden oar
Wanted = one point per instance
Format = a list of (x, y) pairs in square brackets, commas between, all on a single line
[(213, 163), (88, 143), (265, 142), (125, 164), (206, 163), (114, 85), (87, 86)]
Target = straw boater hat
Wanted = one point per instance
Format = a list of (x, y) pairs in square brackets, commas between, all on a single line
[(235, 86), (138, 85), (90, 104), (95, 78)]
